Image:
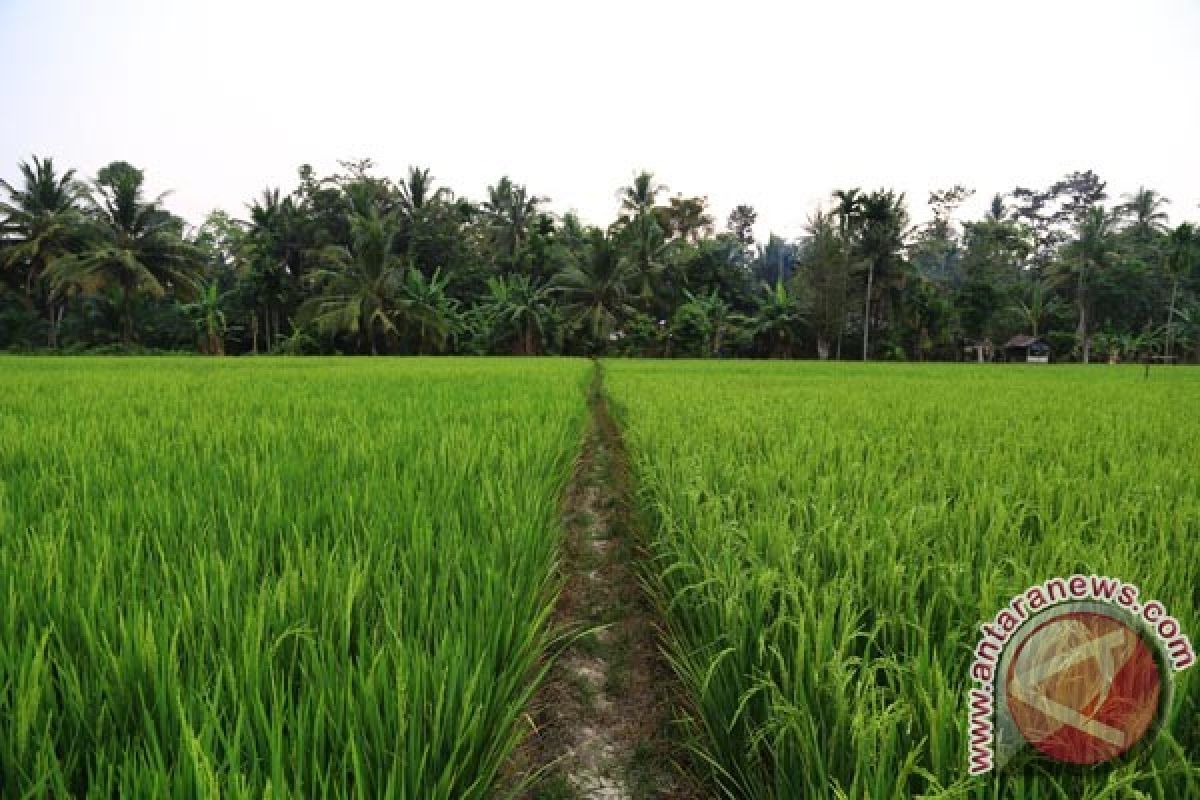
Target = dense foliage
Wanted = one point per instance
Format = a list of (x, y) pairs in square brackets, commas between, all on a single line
[(275, 578), (357, 263), (827, 542)]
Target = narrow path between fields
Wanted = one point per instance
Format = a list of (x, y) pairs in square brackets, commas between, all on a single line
[(602, 721)]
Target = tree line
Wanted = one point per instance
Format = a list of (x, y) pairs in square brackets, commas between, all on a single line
[(359, 263)]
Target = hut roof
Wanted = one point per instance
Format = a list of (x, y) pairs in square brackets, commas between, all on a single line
[(1023, 340)]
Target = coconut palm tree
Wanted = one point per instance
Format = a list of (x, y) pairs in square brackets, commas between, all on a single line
[(41, 222), (997, 212), (270, 256), (511, 209), (417, 191), (648, 256), (1145, 208), (137, 247), (360, 286), (595, 292), (1041, 305), (638, 198)]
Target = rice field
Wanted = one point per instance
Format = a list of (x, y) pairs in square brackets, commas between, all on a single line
[(828, 538), (275, 578), (334, 577)]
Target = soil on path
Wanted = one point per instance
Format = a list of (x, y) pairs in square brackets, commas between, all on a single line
[(602, 721)]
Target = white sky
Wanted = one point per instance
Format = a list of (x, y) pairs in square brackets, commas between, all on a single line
[(773, 104)]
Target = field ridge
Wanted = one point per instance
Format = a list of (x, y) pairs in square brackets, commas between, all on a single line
[(601, 720)]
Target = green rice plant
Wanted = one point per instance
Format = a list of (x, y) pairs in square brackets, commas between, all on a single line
[(275, 578), (827, 539)]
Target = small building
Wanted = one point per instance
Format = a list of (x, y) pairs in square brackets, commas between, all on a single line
[(1030, 349)]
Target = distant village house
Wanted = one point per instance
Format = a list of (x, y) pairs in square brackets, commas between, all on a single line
[(1030, 349)]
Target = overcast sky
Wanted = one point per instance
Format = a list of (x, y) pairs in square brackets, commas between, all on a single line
[(772, 104)]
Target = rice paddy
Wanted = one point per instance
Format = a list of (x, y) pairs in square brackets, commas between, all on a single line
[(283, 578), (334, 577), (828, 538)]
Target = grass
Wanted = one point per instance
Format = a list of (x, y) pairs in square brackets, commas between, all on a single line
[(827, 539), (275, 578)]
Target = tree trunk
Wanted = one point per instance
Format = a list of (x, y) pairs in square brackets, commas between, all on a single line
[(254, 333), (867, 310), (126, 314), (822, 347), (1171, 319), (55, 319), (1081, 330), (841, 331), (1081, 333)]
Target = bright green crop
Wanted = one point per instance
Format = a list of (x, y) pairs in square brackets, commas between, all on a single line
[(275, 578), (828, 538), (332, 577)]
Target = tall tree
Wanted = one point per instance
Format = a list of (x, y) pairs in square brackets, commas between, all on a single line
[(1039, 304), (741, 224), (647, 255), (688, 218), (41, 222), (991, 271), (1085, 261), (360, 284), (274, 248), (885, 225), (511, 209), (417, 190), (848, 209), (638, 198), (824, 266), (1054, 214), (938, 249), (1145, 209), (595, 291), (137, 246)]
